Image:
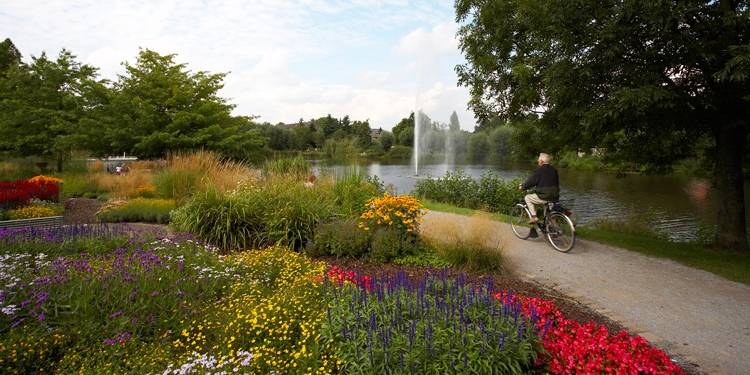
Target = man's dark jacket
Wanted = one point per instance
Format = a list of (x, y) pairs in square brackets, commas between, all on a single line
[(545, 182)]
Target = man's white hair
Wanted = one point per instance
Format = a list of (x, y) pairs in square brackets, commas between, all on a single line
[(545, 158)]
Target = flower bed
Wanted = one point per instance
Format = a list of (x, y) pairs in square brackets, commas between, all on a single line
[(569, 347), (106, 299), (135, 304), (19, 193)]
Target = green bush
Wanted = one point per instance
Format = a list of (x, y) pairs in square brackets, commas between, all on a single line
[(278, 211), (490, 193), (498, 195), (389, 244), (142, 210), (77, 184), (341, 238), (425, 257), (456, 188), (397, 153), (296, 166), (589, 163), (353, 190), (4, 215)]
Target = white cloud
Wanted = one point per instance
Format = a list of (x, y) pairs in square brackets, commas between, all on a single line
[(280, 53)]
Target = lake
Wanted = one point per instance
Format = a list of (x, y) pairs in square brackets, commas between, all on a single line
[(677, 206)]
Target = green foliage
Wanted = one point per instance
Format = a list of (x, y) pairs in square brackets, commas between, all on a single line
[(45, 106), (459, 189), (143, 210), (353, 190), (479, 147), (498, 195), (4, 215), (456, 188), (279, 211), (403, 132), (342, 149), (602, 86), (390, 243), (296, 166), (571, 160), (425, 257), (76, 185), (341, 238), (392, 332), (397, 153)]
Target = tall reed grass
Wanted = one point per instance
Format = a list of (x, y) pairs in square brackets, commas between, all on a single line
[(187, 173), (295, 166), (472, 245)]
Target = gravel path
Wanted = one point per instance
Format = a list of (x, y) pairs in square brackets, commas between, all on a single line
[(690, 313)]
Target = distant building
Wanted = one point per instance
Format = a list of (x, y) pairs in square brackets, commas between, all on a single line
[(375, 134)]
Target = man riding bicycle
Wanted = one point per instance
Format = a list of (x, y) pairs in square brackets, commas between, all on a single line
[(546, 184)]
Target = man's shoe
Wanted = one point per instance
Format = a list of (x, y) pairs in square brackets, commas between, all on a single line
[(533, 233)]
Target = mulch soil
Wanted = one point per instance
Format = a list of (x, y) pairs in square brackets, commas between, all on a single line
[(81, 210)]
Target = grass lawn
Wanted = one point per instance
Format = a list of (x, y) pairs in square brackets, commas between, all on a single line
[(728, 264)]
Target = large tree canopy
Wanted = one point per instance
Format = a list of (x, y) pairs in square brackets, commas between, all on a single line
[(45, 105), (643, 79), (159, 107)]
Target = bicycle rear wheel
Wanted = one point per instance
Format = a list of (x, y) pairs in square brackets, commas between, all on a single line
[(561, 233), (519, 221)]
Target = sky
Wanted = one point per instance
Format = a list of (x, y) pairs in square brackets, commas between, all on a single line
[(286, 59)]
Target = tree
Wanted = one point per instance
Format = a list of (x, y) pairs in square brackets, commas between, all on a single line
[(45, 105), (403, 132), (640, 78), (386, 140), (161, 107), (454, 125), (10, 57), (478, 147)]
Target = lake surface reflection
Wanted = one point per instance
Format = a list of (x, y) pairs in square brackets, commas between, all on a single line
[(676, 206)]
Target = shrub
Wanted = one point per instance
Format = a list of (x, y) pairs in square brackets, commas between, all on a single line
[(390, 243), (19, 193), (277, 211), (352, 191), (137, 210), (491, 192), (470, 245), (35, 210), (296, 166), (456, 188), (424, 257), (498, 195), (4, 215), (341, 238)]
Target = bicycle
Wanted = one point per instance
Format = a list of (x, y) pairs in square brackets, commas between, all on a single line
[(557, 226)]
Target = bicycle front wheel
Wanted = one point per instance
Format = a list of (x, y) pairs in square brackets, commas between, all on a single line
[(561, 233), (519, 221)]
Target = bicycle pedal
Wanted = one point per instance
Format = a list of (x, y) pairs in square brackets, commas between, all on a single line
[(533, 233)]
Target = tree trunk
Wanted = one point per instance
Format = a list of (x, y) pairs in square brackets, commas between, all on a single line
[(59, 162), (732, 228)]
